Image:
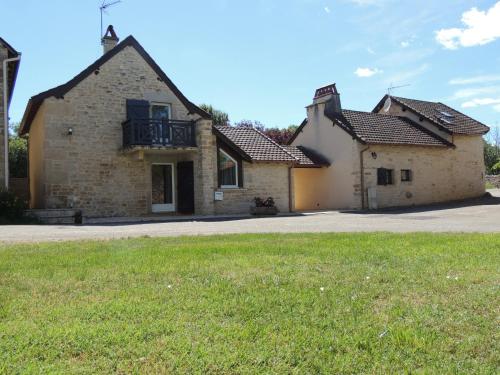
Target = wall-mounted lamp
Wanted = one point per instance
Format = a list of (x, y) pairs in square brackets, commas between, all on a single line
[(374, 155), (70, 131)]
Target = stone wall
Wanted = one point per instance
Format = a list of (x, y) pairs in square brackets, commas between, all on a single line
[(438, 174), (494, 180), (88, 170), (261, 180)]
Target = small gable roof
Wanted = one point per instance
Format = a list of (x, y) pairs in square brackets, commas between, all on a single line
[(444, 117), (36, 101), (12, 69), (253, 145)]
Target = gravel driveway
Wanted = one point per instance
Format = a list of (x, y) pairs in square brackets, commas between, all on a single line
[(482, 215)]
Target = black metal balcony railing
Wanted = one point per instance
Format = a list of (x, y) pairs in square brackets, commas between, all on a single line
[(155, 132)]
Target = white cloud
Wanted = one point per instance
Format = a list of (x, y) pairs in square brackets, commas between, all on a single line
[(327, 10), (475, 91), (476, 102), (472, 80), (405, 44), (367, 72), (407, 76), (370, 51), (481, 27)]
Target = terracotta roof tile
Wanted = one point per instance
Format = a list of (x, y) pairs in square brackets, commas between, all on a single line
[(374, 128), (256, 145), (444, 116)]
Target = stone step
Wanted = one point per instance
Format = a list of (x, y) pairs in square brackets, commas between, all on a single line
[(55, 216)]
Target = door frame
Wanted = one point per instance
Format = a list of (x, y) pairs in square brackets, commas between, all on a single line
[(167, 207)]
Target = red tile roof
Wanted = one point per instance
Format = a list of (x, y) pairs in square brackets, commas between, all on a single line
[(374, 128), (442, 115), (255, 145)]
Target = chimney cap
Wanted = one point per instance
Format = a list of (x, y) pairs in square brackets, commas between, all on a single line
[(110, 34), (325, 91)]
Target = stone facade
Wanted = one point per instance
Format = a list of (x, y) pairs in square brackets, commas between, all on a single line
[(89, 170), (261, 180), (438, 174)]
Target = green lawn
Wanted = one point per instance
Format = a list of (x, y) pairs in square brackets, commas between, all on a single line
[(305, 303)]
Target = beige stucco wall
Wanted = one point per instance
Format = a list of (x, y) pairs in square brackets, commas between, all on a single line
[(36, 142), (88, 169), (261, 180), (439, 174), (334, 187)]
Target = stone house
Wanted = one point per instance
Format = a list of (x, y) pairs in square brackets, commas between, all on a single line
[(120, 139), (405, 152), (9, 66)]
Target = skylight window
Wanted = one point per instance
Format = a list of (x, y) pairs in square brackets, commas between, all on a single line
[(446, 114), (445, 120)]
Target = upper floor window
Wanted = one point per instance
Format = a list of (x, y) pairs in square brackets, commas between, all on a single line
[(228, 170), (385, 176), (160, 111)]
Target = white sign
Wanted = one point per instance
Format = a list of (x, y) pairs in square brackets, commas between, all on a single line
[(219, 196)]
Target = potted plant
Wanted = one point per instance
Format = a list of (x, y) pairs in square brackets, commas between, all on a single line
[(264, 207)]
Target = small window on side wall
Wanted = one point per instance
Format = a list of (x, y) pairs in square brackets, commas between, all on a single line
[(406, 175), (228, 170), (385, 176)]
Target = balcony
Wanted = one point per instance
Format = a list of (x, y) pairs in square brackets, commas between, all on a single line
[(158, 133)]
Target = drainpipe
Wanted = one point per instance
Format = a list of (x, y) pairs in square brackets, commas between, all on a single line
[(362, 182), (6, 118)]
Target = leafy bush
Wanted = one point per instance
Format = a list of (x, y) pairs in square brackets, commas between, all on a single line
[(11, 208), (495, 169), (259, 202)]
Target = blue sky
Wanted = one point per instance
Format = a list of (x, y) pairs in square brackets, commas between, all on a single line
[(263, 59)]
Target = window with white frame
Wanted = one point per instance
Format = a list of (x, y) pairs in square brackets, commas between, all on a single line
[(228, 170)]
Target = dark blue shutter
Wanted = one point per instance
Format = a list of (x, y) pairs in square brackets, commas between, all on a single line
[(137, 109)]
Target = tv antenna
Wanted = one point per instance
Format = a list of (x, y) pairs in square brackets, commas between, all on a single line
[(391, 88), (105, 5)]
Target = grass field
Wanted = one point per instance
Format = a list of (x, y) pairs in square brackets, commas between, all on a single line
[(304, 303)]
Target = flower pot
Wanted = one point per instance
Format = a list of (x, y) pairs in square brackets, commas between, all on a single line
[(263, 211)]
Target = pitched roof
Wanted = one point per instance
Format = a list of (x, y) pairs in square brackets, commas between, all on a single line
[(253, 145), (12, 69), (307, 158), (36, 101), (374, 128), (443, 116)]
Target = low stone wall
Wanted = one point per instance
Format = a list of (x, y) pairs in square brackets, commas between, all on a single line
[(494, 180)]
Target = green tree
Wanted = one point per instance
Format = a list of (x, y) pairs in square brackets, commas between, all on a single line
[(18, 154), (218, 117)]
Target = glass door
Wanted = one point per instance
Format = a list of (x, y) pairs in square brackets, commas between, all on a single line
[(160, 113), (162, 188)]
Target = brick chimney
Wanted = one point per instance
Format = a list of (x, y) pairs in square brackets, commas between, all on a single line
[(109, 40), (330, 96)]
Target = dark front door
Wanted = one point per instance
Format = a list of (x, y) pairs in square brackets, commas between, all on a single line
[(185, 187)]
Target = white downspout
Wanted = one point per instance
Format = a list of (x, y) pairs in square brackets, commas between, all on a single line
[(6, 118)]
